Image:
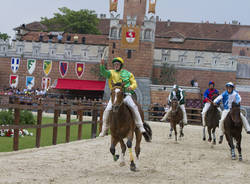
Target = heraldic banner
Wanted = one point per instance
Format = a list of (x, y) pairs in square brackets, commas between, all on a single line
[(130, 37), (152, 4), (113, 5)]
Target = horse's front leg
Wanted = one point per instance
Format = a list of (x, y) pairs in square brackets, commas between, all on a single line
[(175, 131), (231, 145), (209, 134), (238, 146), (181, 129), (129, 145), (214, 137), (170, 131), (204, 133), (123, 147), (112, 148)]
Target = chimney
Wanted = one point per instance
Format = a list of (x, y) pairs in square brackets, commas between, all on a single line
[(169, 22)]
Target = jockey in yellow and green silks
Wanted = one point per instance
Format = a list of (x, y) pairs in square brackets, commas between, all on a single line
[(119, 75)]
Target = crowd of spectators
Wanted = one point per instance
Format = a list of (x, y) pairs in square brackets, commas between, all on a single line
[(24, 92)]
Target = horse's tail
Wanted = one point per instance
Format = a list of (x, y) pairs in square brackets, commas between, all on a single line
[(148, 130)]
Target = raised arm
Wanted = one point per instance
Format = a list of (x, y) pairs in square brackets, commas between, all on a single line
[(105, 73)]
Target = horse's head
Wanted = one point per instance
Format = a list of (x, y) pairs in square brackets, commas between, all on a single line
[(235, 113), (117, 95), (174, 104)]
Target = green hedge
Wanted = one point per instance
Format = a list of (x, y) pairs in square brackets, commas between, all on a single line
[(7, 117)]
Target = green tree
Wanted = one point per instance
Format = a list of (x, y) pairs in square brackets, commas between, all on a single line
[(167, 75), (67, 20), (4, 36)]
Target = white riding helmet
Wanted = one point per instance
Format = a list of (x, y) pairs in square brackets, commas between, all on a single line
[(230, 84), (175, 86)]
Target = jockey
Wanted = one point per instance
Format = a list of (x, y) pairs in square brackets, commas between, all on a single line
[(228, 97), (178, 93), (208, 95), (119, 75)]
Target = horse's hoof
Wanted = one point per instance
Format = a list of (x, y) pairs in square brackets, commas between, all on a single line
[(214, 143), (204, 139), (233, 157), (116, 157), (122, 164), (240, 157), (132, 166), (209, 140)]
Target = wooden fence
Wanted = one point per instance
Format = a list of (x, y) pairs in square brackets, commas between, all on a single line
[(80, 107), (41, 105)]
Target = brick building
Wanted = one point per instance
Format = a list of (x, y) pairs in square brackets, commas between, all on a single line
[(201, 51)]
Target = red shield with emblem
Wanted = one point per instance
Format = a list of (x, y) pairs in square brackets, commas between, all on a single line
[(63, 68), (130, 36), (80, 69)]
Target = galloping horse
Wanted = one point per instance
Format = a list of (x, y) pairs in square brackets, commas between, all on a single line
[(233, 127), (212, 119), (176, 117), (122, 126)]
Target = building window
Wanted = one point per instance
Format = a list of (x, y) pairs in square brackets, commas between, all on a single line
[(242, 52), (113, 32), (113, 51), (182, 58), (165, 58), (147, 34), (83, 40), (129, 54), (198, 60), (113, 45)]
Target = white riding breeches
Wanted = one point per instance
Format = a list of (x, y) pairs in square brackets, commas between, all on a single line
[(183, 111), (223, 117), (133, 107)]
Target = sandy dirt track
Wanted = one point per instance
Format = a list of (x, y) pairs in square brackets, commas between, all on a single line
[(162, 161)]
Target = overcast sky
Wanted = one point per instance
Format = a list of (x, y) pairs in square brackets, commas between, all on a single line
[(16, 12)]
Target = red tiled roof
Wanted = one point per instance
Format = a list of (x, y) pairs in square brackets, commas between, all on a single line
[(34, 26), (199, 45), (197, 30)]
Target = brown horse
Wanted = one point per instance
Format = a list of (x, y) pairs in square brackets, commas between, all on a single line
[(212, 119), (122, 126), (176, 117), (233, 127)]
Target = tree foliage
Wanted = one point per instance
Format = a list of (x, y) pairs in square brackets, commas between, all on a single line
[(167, 75), (4, 36), (67, 20)]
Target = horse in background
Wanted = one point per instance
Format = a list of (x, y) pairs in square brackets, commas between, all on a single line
[(212, 119), (233, 128), (122, 126), (175, 117)]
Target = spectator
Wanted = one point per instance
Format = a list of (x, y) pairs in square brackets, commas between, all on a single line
[(59, 38), (50, 37), (40, 37)]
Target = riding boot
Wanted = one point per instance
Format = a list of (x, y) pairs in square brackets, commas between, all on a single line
[(245, 123), (105, 125)]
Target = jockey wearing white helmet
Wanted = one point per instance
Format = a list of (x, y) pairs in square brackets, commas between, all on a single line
[(228, 97)]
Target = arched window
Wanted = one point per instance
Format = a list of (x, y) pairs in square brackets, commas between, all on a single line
[(113, 33), (147, 34)]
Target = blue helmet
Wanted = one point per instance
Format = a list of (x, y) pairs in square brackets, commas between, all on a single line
[(211, 82)]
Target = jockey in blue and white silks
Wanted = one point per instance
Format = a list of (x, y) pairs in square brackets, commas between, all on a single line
[(227, 98), (208, 95)]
